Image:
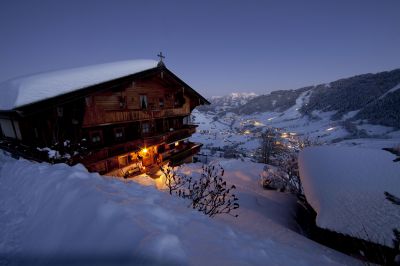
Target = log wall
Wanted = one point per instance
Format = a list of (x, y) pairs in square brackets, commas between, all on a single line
[(123, 104)]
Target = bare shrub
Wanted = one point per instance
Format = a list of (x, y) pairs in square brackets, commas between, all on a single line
[(174, 182), (209, 194)]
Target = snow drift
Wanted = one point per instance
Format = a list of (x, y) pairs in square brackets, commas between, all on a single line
[(56, 214), (346, 186)]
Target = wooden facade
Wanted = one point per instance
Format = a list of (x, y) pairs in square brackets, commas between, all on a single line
[(139, 119)]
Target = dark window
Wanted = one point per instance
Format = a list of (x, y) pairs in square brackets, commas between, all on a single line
[(145, 128), (161, 102), (161, 149), (119, 133), (143, 101), (122, 102), (60, 111), (179, 99), (88, 101), (96, 137)]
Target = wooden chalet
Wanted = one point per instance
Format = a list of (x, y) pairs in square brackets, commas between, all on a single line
[(122, 117)]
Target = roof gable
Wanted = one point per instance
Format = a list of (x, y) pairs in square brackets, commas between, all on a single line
[(26, 90)]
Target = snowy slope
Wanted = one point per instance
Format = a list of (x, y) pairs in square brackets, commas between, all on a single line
[(222, 129), (57, 214), (395, 88), (346, 188), (29, 89)]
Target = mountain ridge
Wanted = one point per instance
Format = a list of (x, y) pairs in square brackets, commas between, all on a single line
[(371, 97)]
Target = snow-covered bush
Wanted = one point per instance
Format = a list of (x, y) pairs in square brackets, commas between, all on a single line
[(284, 175), (65, 151), (291, 169), (270, 178), (209, 193), (275, 178)]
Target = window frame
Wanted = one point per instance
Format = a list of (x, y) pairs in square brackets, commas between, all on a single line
[(147, 131), (146, 101), (100, 135), (118, 130)]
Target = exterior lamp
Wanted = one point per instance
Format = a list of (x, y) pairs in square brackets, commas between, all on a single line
[(144, 150)]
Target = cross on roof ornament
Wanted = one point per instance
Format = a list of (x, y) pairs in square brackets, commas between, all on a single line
[(161, 56), (161, 63)]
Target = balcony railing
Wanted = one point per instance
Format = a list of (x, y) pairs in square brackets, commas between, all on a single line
[(180, 156), (131, 146), (95, 116)]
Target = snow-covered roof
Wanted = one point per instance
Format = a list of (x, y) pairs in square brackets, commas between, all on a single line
[(30, 89), (346, 185)]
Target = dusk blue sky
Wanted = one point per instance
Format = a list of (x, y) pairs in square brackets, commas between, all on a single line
[(217, 47)]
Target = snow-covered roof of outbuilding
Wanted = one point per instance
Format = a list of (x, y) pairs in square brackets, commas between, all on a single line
[(346, 185), (25, 90)]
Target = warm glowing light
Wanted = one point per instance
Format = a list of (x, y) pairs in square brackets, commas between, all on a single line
[(256, 123), (284, 135), (247, 131), (292, 134), (176, 143), (331, 128), (144, 150)]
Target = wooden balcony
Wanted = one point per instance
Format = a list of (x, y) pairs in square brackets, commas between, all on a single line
[(135, 145), (95, 116), (179, 157)]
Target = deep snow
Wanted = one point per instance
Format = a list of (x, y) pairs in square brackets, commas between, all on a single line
[(56, 214), (346, 185)]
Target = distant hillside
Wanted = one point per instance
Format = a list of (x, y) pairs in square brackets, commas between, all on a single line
[(364, 92), (373, 97), (227, 102), (277, 101)]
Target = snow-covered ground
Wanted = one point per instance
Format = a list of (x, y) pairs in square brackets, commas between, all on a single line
[(58, 214), (346, 185), (55, 213), (218, 130)]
